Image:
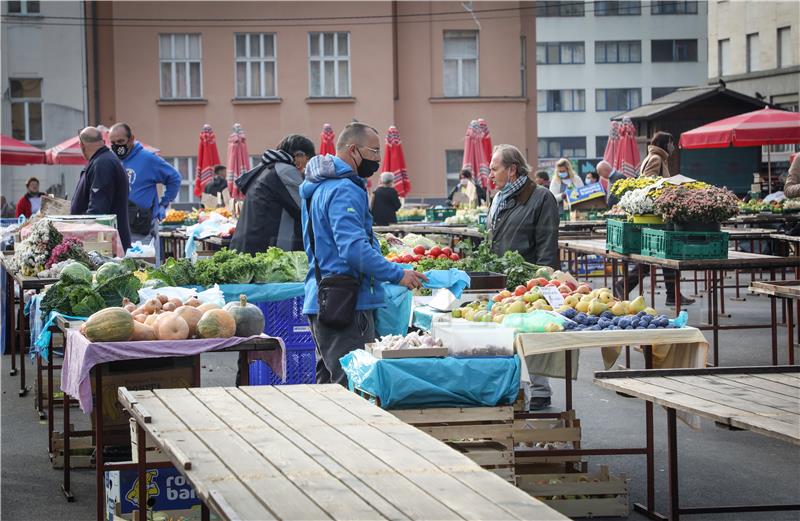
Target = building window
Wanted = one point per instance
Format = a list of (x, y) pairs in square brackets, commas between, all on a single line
[(523, 66), (329, 62), (555, 147), (181, 70), (453, 160), (561, 100), (618, 52), (600, 143), (24, 7), (559, 8), (752, 52), (555, 53), (26, 109), (674, 50), (255, 65), (723, 57), (784, 47), (609, 8), (660, 92), (460, 77), (185, 167), (617, 99), (673, 7)]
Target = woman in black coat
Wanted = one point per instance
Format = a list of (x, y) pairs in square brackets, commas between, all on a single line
[(385, 201)]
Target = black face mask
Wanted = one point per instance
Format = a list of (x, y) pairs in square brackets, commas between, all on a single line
[(121, 150), (367, 167)]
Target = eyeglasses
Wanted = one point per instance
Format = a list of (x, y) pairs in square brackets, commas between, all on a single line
[(375, 151)]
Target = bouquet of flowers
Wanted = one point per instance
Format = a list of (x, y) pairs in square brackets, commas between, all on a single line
[(71, 248), (637, 202), (707, 205), (655, 193), (624, 186), (31, 254)]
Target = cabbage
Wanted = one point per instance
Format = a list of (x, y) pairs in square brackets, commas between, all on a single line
[(76, 271), (108, 271)]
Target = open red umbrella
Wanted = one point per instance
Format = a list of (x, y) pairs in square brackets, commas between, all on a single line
[(395, 162), (327, 143), (69, 152), (14, 152), (486, 145), (758, 128), (238, 160), (207, 159), (626, 158), (474, 158)]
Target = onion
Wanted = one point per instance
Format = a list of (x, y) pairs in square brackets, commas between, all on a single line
[(140, 317), (176, 302), (169, 306), (193, 301), (162, 298), (152, 306)]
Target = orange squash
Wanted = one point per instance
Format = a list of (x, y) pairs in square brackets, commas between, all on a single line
[(216, 323), (169, 326), (208, 306), (192, 316), (143, 332)]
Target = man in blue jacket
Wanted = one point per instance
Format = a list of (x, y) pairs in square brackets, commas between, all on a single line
[(345, 245), (145, 172)]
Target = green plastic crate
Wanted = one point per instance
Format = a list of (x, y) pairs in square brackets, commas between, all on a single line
[(410, 218), (439, 214), (666, 244), (624, 236), (564, 215), (482, 219)]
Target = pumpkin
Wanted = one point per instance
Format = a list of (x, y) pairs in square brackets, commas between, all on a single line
[(170, 326), (193, 301), (143, 332), (216, 323), (110, 325), (168, 306), (140, 317), (192, 316), (208, 306), (151, 319), (249, 319)]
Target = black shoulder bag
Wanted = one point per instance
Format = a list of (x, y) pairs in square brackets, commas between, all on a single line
[(337, 295)]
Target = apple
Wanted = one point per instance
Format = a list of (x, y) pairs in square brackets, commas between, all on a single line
[(454, 256), (531, 284), (571, 285), (447, 251), (435, 252), (419, 250), (520, 290), (564, 290), (584, 289)]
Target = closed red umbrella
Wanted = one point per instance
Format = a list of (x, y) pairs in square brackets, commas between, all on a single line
[(610, 153), (627, 158), (69, 152), (327, 138), (474, 159), (238, 160), (207, 159), (14, 152), (395, 162), (486, 145)]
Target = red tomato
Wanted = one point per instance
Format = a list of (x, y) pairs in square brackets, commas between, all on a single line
[(447, 251), (541, 281), (454, 256), (417, 258), (419, 250), (442, 256), (520, 290), (435, 251)]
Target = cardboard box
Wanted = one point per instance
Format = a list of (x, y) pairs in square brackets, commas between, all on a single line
[(167, 490)]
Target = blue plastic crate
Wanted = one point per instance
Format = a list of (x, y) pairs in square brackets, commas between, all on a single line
[(285, 319), (301, 368)]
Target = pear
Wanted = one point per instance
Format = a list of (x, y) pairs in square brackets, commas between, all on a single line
[(605, 297), (638, 304), (457, 313), (564, 307), (498, 319), (517, 307), (594, 293), (582, 306), (586, 298), (650, 311), (619, 309), (596, 307), (552, 327), (571, 301)]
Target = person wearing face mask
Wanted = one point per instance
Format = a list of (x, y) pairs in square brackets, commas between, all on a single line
[(656, 163), (339, 242), (564, 179), (270, 215), (467, 190), (145, 172)]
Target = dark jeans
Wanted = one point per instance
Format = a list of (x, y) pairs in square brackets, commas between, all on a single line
[(332, 344), (633, 280)]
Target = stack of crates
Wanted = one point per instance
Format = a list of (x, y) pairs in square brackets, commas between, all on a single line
[(284, 319)]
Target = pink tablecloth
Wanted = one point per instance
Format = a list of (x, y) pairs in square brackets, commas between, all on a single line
[(84, 232), (80, 356)]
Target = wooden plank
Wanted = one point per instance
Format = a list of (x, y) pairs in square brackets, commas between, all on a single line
[(565, 434), (208, 472), (454, 414), (496, 489), (779, 379), (762, 386), (756, 397), (333, 489), (458, 497), (406, 495)]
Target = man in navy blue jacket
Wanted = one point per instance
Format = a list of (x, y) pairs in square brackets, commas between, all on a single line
[(103, 185)]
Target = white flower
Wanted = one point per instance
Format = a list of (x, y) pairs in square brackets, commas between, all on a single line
[(637, 202)]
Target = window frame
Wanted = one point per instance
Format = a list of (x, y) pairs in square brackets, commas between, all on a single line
[(335, 58), (452, 176), (653, 95), (23, 8), (598, 150), (186, 61), (560, 9), (675, 53), (605, 92), (781, 60), (250, 61), (26, 102), (617, 7), (560, 45), (546, 94), (617, 44), (682, 7), (748, 58), (561, 147), (721, 55), (460, 60), (189, 182), (523, 65)]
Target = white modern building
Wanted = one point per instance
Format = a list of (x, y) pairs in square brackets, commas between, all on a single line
[(44, 86), (597, 59)]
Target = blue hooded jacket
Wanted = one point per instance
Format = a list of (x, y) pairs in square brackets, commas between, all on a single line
[(342, 233), (146, 170)]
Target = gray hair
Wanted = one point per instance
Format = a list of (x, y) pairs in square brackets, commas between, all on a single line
[(510, 155), (354, 133), (387, 178), (91, 135), (604, 164)]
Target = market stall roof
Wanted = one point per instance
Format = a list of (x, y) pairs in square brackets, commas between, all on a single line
[(761, 127), (15, 152), (680, 99), (69, 151)]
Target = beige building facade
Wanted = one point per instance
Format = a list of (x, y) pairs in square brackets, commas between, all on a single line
[(289, 67)]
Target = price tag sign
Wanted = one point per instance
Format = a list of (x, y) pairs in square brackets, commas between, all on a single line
[(553, 296)]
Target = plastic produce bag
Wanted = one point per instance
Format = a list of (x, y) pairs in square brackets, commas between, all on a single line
[(213, 294), (453, 279), (539, 321), (395, 317)]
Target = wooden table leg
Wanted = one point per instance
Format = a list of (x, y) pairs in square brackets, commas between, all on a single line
[(65, 484), (715, 316), (677, 283), (141, 469), (652, 286), (99, 458), (39, 392), (672, 456), (50, 395)]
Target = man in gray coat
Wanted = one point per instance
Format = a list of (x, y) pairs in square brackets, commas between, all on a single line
[(523, 217)]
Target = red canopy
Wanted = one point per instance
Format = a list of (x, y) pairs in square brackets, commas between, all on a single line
[(327, 143), (761, 127), (207, 159), (238, 160), (626, 158), (395, 162), (486, 146), (14, 152), (474, 158), (69, 151)]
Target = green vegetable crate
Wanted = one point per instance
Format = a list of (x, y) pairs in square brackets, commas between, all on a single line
[(439, 214), (564, 215), (666, 244), (625, 237), (410, 218)]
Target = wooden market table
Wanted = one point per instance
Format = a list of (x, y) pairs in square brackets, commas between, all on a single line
[(764, 218), (714, 269), (789, 292), (314, 452), (765, 400)]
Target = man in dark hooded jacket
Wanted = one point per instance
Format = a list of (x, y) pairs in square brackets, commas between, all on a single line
[(271, 212)]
